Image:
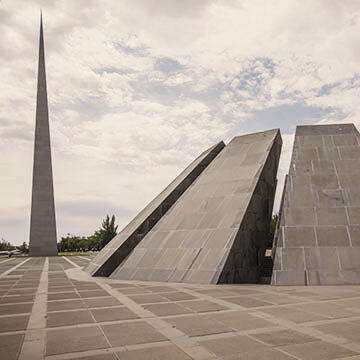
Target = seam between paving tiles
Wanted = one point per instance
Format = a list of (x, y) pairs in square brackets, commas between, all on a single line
[(302, 328), (33, 347), (177, 337), (5, 273)]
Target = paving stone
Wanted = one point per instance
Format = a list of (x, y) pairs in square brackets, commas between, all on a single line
[(327, 309), (260, 353), (16, 299), (114, 313), (131, 333), (293, 314), (243, 290), (198, 325), (10, 346), (63, 296), (148, 299), (60, 289), (66, 318), (26, 291), (283, 337), (15, 309), (134, 290), (159, 289), (178, 296), (86, 286), (166, 309), (277, 299), (199, 306), (101, 302), (93, 293), (232, 345), (65, 305), (156, 353), (75, 339), (122, 285), (318, 350), (241, 320), (97, 357), (248, 301), (347, 329), (13, 323), (217, 293)]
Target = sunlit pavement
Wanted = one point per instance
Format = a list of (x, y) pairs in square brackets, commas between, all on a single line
[(51, 309)]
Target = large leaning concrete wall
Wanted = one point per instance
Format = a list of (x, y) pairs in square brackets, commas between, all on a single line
[(118, 248), (216, 232), (318, 240)]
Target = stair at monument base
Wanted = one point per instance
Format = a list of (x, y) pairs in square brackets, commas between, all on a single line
[(266, 270), (118, 248), (318, 240), (216, 231)]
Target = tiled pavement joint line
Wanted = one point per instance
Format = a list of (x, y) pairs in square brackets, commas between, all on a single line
[(13, 268), (177, 337), (33, 347), (71, 262), (84, 258), (114, 350), (302, 328), (6, 260)]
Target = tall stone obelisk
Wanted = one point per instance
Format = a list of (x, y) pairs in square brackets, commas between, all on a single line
[(42, 224)]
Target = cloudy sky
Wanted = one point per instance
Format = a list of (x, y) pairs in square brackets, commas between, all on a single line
[(138, 88)]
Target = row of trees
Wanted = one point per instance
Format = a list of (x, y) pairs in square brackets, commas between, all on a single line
[(93, 242), (6, 246), (100, 238)]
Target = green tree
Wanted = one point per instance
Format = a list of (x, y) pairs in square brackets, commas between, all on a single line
[(107, 231), (94, 243), (5, 245), (24, 247)]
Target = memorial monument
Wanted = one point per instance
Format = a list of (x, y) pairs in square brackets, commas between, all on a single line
[(42, 223), (318, 239), (215, 232)]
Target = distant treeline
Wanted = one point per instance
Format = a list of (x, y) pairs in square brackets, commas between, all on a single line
[(6, 246), (93, 242), (101, 237)]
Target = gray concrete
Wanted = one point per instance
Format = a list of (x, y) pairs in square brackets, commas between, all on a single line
[(288, 323), (118, 248), (216, 231), (318, 239), (42, 223)]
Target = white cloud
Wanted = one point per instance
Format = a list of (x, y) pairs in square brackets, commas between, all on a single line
[(138, 88)]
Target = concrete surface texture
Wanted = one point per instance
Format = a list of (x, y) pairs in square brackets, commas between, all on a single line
[(42, 223), (51, 309), (118, 248), (216, 231), (318, 241)]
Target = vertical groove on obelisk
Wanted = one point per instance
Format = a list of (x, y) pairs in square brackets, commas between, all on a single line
[(42, 223)]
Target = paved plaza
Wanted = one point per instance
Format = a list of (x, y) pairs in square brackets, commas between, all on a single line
[(51, 309)]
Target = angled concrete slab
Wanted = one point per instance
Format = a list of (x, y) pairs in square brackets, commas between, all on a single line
[(117, 249), (318, 238), (216, 231)]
